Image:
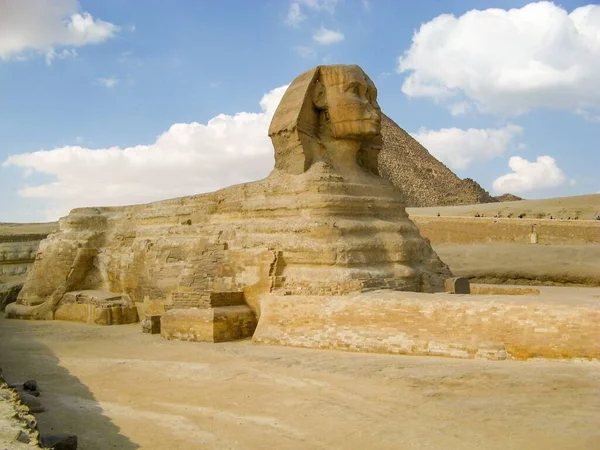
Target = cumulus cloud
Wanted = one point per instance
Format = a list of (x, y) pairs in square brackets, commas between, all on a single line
[(509, 61), (40, 26), (325, 36), (459, 148), (296, 16), (189, 158), (527, 176)]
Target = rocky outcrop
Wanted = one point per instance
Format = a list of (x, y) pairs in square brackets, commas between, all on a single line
[(422, 179), (322, 223)]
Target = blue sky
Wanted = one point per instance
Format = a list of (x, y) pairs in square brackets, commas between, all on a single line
[(113, 102)]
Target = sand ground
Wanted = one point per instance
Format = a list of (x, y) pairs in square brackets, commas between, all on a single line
[(524, 263), (118, 388)]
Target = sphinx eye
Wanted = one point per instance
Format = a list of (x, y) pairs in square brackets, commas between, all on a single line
[(353, 88), (372, 94)]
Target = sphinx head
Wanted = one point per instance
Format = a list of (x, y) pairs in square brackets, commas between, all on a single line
[(347, 99), (323, 110)]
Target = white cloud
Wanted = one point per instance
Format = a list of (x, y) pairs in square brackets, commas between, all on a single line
[(460, 148), (189, 158), (509, 61), (42, 25), (108, 82), (319, 5), (459, 108), (295, 16), (305, 52), (325, 36), (587, 115), (529, 176), (51, 54)]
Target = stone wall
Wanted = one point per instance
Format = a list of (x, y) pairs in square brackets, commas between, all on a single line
[(17, 253), (462, 326), (486, 230)]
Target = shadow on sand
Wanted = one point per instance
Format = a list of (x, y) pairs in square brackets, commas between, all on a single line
[(70, 406)]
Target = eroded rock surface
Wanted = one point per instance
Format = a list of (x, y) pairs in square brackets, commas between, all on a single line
[(322, 223)]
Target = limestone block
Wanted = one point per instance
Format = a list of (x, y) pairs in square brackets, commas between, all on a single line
[(94, 314), (458, 285), (221, 324), (489, 327)]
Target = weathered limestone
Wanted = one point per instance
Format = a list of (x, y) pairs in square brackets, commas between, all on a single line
[(96, 307), (18, 427), (322, 223), (9, 293), (218, 324), (486, 327), (18, 246)]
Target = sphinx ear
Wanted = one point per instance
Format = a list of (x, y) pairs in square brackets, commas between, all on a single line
[(318, 96)]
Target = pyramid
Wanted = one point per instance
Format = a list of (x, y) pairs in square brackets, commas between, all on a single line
[(422, 179)]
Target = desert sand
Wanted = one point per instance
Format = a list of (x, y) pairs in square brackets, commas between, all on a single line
[(586, 207), (118, 388)]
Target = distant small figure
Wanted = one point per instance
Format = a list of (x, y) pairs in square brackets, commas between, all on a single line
[(569, 218), (482, 214), (551, 217), (477, 215), (521, 215), (598, 217), (576, 218), (438, 214)]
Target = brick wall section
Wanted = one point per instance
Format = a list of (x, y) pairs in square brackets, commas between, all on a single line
[(182, 300), (482, 230), (462, 326)]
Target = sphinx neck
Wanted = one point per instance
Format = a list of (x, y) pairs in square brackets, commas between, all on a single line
[(343, 156)]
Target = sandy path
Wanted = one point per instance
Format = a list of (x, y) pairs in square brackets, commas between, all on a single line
[(118, 388)]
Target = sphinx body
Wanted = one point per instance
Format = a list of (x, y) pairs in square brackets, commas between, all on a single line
[(322, 223)]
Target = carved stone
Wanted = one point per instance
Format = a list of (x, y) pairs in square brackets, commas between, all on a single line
[(322, 223)]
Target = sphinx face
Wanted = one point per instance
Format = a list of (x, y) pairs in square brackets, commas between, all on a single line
[(352, 107)]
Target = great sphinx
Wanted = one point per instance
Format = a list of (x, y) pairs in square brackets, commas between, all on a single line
[(322, 223)]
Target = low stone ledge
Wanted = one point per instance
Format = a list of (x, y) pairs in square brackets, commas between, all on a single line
[(482, 289), (98, 315), (228, 323), (490, 327)]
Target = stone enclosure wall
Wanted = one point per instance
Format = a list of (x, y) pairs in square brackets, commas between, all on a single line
[(462, 326), (17, 253), (486, 230)]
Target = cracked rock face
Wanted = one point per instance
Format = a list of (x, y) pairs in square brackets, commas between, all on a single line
[(323, 222)]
